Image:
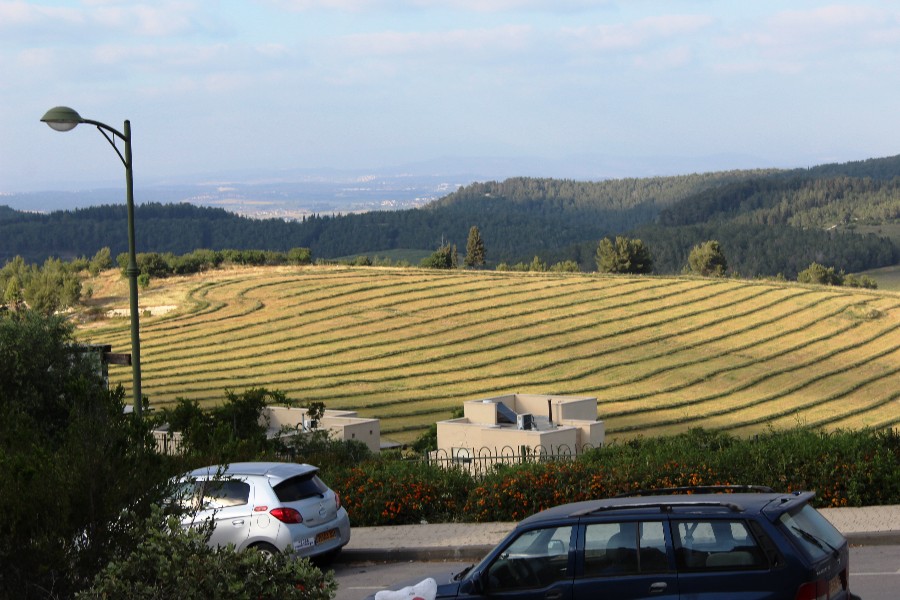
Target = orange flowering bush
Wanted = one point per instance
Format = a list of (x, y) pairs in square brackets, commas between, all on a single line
[(385, 492), (846, 468)]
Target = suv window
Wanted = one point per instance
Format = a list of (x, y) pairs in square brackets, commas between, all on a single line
[(716, 544), (535, 559), (815, 536), (300, 487), (624, 548)]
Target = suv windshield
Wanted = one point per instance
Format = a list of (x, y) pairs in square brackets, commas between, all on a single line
[(812, 532), (300, 487)]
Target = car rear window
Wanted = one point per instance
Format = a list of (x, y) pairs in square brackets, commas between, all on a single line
[(812, 532), (300, 487), (720, 544)]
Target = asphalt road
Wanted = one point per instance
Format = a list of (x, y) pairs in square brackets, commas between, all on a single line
[(874, 574)]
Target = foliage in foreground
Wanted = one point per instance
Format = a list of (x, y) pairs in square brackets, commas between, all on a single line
[(171, 562), (70, 461), (845, 468)]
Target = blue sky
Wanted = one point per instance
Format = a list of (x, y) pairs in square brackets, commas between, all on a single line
[(649, 86)]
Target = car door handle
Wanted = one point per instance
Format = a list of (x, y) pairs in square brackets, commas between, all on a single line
[(237, 522), (553, 595), (659, 587)]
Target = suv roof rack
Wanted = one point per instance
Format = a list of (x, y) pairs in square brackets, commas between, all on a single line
[(663, 506), (699, 489)]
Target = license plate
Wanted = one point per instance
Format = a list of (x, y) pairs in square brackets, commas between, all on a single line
[(326, 535)]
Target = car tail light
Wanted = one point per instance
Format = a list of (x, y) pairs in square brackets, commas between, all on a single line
[(814, 590), (823, 589), (287, 515)]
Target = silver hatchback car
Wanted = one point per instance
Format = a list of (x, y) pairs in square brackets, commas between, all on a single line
[(270, 506)]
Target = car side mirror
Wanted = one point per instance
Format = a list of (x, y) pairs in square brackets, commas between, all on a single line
[(476, 586)]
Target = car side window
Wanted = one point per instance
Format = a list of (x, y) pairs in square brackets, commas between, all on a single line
[(625, 548), (222, 494), (535, 559), (716, 545)]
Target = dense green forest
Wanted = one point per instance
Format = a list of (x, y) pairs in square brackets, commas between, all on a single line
[(769, 222)]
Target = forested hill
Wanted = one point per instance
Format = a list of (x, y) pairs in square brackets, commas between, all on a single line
[(768, 222)]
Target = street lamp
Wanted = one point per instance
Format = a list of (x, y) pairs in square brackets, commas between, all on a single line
[(63, 118)]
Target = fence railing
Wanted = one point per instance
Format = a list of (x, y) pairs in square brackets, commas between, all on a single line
[(482, 461), (167, 442)]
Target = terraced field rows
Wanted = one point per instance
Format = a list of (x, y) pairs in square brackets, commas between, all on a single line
[(408, 345)]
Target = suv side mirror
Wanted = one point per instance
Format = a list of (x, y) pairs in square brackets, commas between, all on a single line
[(474, 585)]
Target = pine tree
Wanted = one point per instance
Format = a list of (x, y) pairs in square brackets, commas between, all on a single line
[(624, 255), (474, 248)]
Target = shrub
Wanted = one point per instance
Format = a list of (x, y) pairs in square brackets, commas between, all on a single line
[(623, 255), (226, 433), (816, 273), (444, 257), (317, 448), (860, 281), (707, 259), (398, 492), (172, 562), (568, 266)]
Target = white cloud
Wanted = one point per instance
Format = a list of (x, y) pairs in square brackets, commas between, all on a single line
[(817, 34), (26, 13), (509, 38), (478, 6), (642, 33), (94, 20), (155, 20)]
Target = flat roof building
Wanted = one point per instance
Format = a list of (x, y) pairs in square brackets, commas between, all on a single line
[(536, 424)]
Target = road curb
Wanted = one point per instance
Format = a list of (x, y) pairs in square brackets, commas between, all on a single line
[(873, 538), (472, 553)]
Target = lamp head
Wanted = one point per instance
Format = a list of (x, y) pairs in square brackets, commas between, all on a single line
[(62, 118)]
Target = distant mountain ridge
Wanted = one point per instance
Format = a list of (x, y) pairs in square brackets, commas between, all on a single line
[(768, 221)]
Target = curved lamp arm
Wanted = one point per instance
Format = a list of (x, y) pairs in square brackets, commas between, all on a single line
[(63, 118)]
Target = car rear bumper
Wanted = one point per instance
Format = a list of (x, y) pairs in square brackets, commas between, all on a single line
[(324, 538)]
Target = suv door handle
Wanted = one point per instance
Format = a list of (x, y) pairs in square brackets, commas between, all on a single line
[(659, 587)]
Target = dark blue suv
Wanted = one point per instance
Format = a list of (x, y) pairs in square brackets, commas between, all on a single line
[(748, 544)]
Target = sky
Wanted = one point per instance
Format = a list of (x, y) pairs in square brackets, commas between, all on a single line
[(618, 87)]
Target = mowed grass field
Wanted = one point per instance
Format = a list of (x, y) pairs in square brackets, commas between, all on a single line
[(407, 346)]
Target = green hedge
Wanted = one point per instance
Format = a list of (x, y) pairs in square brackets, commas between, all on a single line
[(845, 468)]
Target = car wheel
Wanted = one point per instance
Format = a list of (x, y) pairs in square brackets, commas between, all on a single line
[(267, 550)]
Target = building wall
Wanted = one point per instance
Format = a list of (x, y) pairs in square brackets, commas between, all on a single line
[(461, 433), (574, 425), (341, 424)]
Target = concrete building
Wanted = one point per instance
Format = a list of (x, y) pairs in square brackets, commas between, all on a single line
[(341, 425), (521, 424)]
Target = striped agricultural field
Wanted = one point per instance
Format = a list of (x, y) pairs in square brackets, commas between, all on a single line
[(661, 354)]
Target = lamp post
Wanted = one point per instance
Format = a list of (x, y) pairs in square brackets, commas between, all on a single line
[(63, 118)]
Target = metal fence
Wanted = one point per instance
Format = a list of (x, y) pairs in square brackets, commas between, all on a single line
[(480, 462), (168, 442)]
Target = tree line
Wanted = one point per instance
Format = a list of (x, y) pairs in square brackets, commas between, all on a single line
[(770, 222)]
